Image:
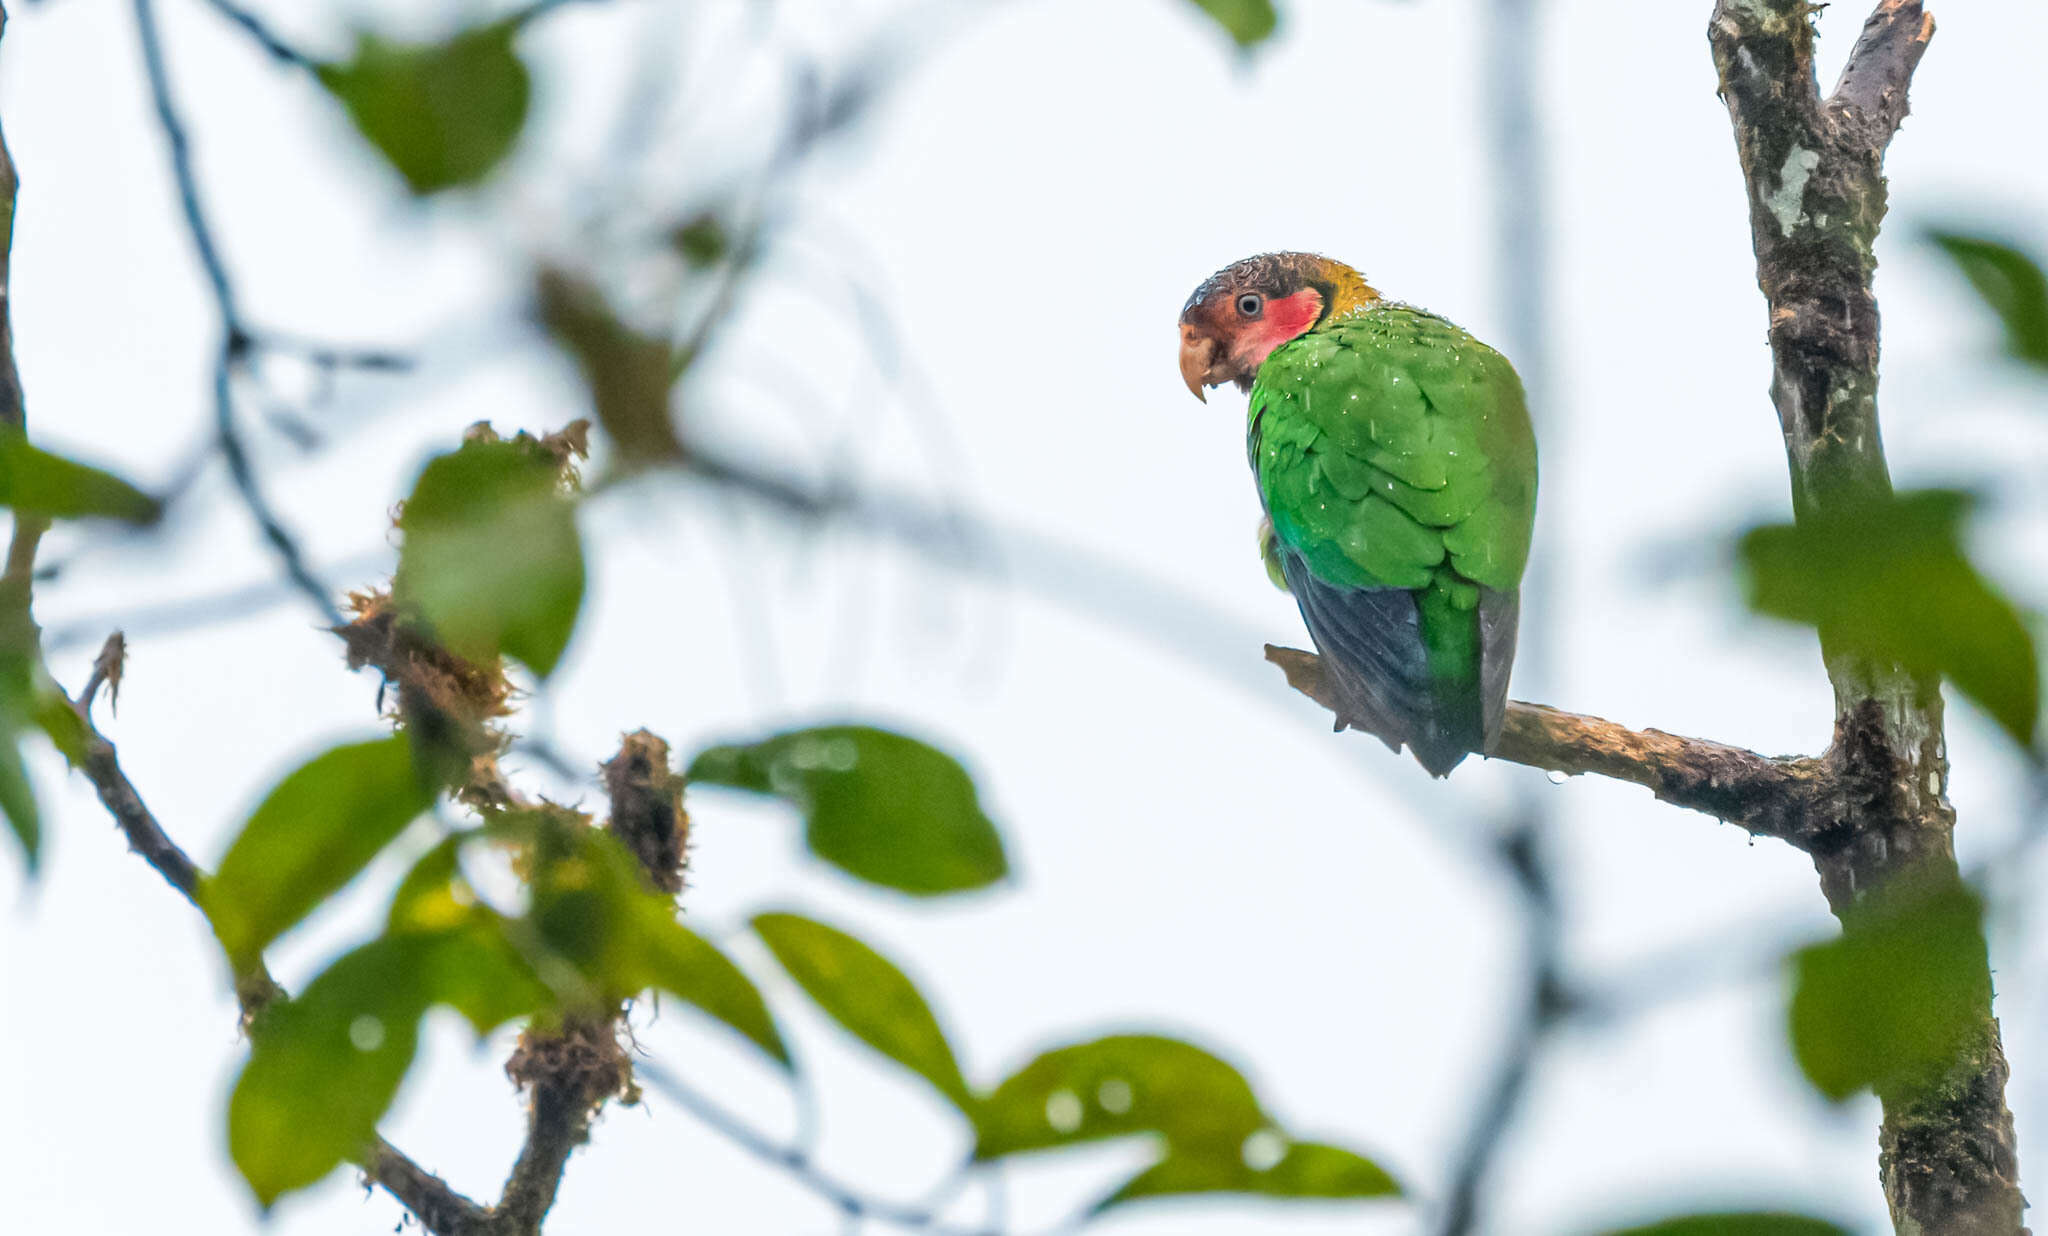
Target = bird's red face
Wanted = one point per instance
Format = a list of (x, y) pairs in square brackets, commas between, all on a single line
[(1241, 313)]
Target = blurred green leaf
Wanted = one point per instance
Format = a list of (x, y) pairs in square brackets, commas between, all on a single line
[(1116, 1086), (629, 373), (1732, 1223), (32, 479), (18, 802), (2011, 283), (309, 837), (701, 241), (433, 895), (18, 674), (324, 1067), (1250, 22), (55, 717), (444, 114), (686, 965), (491, 558), (475, 968), (29, 700), (1890, 580), (867, 994), (1297, 1170), (886, 808), (593, 910), (1894, 999)]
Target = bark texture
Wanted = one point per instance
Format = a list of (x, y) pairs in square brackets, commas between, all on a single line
[(1814, 168)]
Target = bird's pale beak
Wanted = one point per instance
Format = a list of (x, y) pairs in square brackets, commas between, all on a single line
[(1197, 359)]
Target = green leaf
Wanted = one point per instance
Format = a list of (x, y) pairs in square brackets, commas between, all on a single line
[(444, 114), (18, 802), (1249, 22), (312, 835), (58, 720), (475, 969), (628, 373), (2011, 283), (701, 241), (592, 909), (32, 479), (433, 896), (1116, 1086), (1299, 1170), (1889, 580), (686, 965), (886, 808), (1732, 1223), (491, 558), (869, 996), (1894, 999), (19, 674), (324, 1067)]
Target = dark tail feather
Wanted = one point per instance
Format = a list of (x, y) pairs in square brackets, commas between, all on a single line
[(1371, 644), (1499, 616), (1438, 751)]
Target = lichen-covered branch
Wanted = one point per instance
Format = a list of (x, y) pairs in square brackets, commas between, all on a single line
[(1814, 170)]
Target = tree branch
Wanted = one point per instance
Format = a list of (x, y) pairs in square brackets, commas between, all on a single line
[(136, 821), (1792, 798), (439, 1208), (1872, 91), (569, 1074), (1814, 171)]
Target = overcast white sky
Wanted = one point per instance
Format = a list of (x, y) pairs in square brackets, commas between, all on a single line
[(1195, 851)]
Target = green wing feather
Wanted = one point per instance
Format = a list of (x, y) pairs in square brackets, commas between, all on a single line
[(1393, 452)]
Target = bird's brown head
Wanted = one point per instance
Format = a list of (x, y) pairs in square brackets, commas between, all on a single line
[(1241, 313)]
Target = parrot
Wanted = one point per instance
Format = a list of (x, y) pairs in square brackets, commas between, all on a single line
[(1396, 465)]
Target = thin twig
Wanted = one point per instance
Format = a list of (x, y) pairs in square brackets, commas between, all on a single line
[(106, 672), (136, 821), (279, 50), (433, 1202), (1544, 1009), (799, 1165), (237, 339)]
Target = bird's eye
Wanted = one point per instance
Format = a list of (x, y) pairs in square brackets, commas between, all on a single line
[(1249, 304)]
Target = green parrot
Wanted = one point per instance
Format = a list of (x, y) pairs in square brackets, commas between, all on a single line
[(1397, 467)]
